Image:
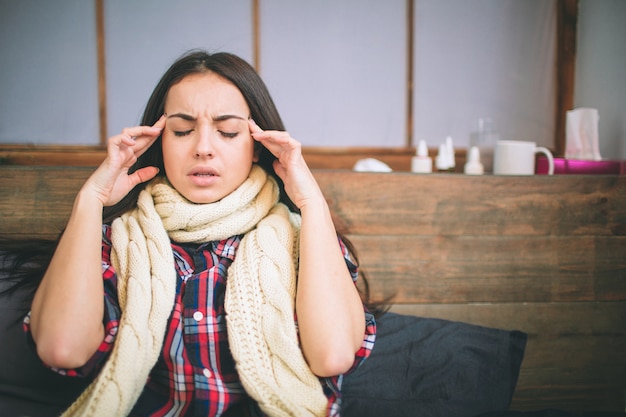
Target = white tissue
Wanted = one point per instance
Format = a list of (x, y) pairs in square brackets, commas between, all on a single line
[(581, 134), (371, 165)]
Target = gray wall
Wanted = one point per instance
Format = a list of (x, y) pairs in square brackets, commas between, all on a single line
[(601, 70), (48, 75), (337, 70), (144, 37)]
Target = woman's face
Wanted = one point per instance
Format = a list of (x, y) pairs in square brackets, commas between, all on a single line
[(207, 147)]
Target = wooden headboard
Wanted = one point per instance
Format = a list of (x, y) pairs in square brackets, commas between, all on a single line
[(545, 255)]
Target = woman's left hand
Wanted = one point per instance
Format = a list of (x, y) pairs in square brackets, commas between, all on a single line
[(290, 165), (325, 293)]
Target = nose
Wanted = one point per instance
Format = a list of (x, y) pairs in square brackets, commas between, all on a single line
[(204, 144)]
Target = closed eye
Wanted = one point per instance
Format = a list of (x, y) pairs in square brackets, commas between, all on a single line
[(180, 133), (229, 135)]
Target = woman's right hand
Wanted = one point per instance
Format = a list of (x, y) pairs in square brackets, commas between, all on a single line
[(111, 181), (68, 308)]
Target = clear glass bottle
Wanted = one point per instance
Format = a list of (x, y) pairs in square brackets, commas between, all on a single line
[(484, 136)]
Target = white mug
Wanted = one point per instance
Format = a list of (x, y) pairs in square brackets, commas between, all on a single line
[(513, 157)]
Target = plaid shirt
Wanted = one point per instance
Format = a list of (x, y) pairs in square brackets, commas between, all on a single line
[(195, 374)]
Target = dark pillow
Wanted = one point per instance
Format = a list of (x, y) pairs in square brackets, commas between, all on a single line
[(432, 367), (27, 388), (536, 413)]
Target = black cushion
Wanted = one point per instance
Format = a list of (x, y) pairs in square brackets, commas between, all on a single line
[(27, 388), (432, 367)]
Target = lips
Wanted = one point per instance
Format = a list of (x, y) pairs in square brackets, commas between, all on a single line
[(203, 176), (202, 172)]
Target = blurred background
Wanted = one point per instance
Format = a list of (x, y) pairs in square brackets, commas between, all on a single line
[(349, 73)]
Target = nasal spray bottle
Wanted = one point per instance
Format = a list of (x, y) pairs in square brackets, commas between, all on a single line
[(445, 160), (473, 166), (421, 163)]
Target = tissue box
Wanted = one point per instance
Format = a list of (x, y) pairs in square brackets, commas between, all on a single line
[(581, 167)]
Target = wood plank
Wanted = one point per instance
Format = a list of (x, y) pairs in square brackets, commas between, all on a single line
[(600, 389), (445, 204), (398, 159), (456, 269), (547, 319), (51, 155), (102, 79), (566, 22), (586, 351), (450, 204), (38, 201)]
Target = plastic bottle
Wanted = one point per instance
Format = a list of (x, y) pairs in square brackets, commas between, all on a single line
[(473, 166), (442, 161), (421, 163), (450, 151)]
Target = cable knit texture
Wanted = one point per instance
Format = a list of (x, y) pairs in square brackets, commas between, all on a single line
[(260, 296)]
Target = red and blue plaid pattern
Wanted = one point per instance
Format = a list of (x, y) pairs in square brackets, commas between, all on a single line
[(195, 374)]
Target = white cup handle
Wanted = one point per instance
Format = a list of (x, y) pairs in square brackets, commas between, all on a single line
[(548, 154)]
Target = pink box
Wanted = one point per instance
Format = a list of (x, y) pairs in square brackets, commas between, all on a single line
[(581, 167)]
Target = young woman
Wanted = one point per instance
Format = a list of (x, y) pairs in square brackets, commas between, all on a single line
[(216, 283)]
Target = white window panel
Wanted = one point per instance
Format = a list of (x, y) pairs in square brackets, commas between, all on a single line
[(143, 38), (337, 70), (48, 75), (484, 58), (601, 71)]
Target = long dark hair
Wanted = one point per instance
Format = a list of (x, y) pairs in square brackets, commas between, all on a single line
[(248, 82), (28, 270)]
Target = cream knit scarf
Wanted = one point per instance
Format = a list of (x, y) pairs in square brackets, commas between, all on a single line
[(260, 296)]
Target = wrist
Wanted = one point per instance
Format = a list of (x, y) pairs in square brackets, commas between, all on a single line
[(88, 199), (313, 203)]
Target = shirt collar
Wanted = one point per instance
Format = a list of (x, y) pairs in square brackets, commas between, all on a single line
[(226, 248)]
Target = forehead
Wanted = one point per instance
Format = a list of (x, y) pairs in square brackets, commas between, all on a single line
[(206, 91)]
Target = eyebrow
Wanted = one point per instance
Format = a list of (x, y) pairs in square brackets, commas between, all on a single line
[(219, 118)]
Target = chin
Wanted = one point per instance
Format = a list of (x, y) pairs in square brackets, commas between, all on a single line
[(198, 195), (197, 198)]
